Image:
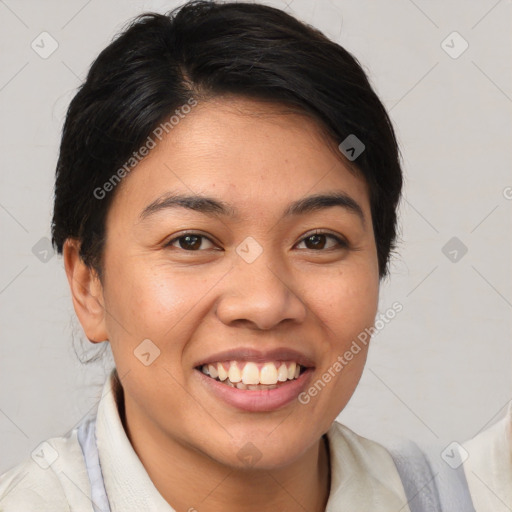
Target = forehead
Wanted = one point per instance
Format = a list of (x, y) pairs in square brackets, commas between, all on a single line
[(254, 155)]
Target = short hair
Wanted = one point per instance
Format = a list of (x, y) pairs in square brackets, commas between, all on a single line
[(203, 50)]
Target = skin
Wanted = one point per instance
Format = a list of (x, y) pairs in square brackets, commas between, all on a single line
[(195, 303)]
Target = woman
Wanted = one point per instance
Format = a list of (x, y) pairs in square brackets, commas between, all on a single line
[(225, 204)]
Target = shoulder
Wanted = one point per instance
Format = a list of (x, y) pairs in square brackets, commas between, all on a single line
[(53, 479), (488, 466), (401, 476), (364, 469), (362, 452)]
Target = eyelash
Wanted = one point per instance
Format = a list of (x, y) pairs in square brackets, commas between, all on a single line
[(341, 243)]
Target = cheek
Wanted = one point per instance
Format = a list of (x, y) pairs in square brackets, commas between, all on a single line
[(346, 304), (155, 301)]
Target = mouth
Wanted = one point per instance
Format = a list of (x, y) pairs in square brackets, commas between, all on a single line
[(254, 381), (251, 375)]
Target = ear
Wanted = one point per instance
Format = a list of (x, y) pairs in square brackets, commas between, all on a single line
[(86, 292)]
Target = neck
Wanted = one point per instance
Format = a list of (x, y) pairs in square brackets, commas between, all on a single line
[(190, 480)]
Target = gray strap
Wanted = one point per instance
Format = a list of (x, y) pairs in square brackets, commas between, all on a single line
[(87, 438), (430, 484), (452, 485), (417, 478)]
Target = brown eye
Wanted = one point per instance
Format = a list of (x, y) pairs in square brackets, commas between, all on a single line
[(319, 241), (189, 242)]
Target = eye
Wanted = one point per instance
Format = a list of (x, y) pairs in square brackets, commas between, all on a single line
[(190, 242), (318, 241)]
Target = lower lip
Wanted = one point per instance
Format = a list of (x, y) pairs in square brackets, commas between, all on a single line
[(258, 400)]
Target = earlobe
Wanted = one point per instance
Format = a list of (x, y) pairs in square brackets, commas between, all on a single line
[(86, 292)]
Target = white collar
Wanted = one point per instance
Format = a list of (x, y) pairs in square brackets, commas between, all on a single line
[(363, 474)]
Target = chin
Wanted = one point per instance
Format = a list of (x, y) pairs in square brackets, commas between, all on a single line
[(263, 450)]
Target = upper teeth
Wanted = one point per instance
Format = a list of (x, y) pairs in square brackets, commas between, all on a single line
[(251, 373)]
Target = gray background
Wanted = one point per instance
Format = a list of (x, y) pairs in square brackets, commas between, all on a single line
[(441, 370)]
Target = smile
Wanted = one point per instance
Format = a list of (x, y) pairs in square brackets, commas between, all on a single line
[(249, 375)]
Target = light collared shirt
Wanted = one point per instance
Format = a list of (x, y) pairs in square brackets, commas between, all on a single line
[(488, 467), (55, 478)]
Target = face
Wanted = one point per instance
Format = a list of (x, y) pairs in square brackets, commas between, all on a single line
[(252, 283)]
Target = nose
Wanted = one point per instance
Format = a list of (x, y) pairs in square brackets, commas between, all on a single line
[(259, 297)]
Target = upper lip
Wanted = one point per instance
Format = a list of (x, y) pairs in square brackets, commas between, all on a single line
[(258, 356)]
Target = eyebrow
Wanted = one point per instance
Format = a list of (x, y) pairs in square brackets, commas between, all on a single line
[(214, 207)]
